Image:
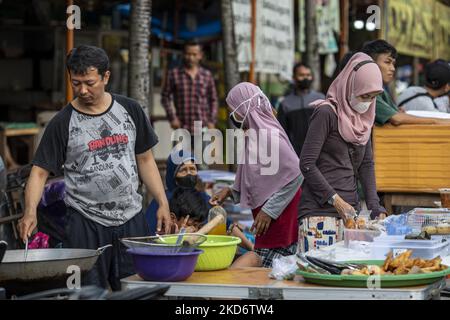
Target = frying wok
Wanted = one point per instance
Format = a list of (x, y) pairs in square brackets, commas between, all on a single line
[(3, 246), (44, 268)]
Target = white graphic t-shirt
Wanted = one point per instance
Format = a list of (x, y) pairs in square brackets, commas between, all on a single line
[(97, 155)]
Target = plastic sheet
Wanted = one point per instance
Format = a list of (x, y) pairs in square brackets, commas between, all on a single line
[(284, 268)]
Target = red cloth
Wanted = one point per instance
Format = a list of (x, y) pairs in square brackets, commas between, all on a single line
[(282, 232)]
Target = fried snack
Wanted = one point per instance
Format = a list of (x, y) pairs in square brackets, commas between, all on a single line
[(401, 270), (400, 265), (415, 270), (433, 262), (388, 261), (401, 259), (358, 273), (360, 223), (420, 263), (375, 270), (350, 223)]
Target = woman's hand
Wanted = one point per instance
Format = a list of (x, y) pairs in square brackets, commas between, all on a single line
[(220, 197), (345, 210), (382, 216), (261, 223)]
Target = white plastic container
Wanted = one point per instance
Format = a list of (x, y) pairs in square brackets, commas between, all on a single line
[(359, 235), (425, 249)]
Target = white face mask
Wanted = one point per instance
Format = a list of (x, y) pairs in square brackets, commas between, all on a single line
[(246, 113), (359, 106)]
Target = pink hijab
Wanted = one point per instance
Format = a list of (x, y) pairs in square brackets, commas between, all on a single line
[(354, 128), (255, 189)]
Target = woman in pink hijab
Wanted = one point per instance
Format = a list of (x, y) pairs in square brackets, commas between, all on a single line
[(271, 190), (337, 152)]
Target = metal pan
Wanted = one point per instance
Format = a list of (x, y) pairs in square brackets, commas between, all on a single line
[(43, 268), (3, 246)]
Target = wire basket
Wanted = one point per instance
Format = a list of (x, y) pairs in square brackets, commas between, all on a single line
[(424, 217), (165, 244)]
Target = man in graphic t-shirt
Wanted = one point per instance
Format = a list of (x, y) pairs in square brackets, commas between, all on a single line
[(101, 143)]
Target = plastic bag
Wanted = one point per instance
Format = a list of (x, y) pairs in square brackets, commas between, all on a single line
[(284, 268), (40, 241)]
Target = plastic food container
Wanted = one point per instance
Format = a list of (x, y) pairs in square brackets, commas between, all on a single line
[(218, 253), (359, 235), (425, 249), (164, 267)]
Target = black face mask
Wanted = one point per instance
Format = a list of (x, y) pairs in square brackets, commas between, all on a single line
[(187, 182), (304, 84)]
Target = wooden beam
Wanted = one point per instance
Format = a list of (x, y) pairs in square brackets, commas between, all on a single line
[(343, 36), (69, 46), (252, 78)]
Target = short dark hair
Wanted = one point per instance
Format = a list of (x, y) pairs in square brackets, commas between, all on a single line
[(377, 47), (437, 74), (193, 43), (188, 202), (81, 58), (298, 65)]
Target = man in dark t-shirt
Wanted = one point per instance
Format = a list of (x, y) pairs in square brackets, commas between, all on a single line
[(101, 143), (294, 111)]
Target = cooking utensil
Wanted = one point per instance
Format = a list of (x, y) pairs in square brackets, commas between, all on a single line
[(165, 244), (308, 264), (182, 232), (218, 219), (219, 252), (332, 266), (3, 246), (44, 268), (164, 267), (26, 250)]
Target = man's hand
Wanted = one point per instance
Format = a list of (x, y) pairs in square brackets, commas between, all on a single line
[(261, 223), (175, 124), (163, 219), (26, 225), (220, 197), (344, 210)]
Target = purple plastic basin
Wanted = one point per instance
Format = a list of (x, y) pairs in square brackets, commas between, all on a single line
[(167, 267)]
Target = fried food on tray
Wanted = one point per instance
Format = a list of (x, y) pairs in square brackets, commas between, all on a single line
[(388, 261), (401, 259), (402, 264), (350, 223)]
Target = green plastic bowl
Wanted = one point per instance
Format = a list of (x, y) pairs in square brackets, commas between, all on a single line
[(218, 253)]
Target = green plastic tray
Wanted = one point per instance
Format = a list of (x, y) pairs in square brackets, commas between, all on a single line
[(385, 281)]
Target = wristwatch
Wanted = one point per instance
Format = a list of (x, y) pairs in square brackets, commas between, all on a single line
[(332, 199)]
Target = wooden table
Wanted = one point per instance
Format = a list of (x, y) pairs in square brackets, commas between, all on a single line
[(254, 283)]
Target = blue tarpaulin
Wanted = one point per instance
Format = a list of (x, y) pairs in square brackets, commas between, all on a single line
[(205, 27)]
